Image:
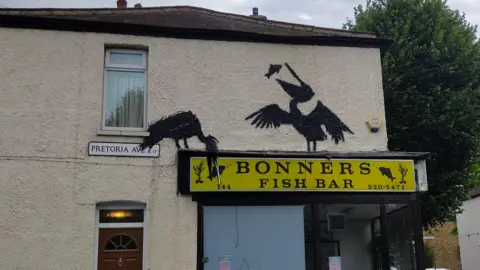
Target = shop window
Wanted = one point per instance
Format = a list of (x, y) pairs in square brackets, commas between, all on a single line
[(360, 241), (125, 90)]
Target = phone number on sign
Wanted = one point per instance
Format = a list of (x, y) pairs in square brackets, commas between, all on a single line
[(386, 187)]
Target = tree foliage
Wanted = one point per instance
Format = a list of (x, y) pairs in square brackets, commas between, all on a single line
[(431, 77)]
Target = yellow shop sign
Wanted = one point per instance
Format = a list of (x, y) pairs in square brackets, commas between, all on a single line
[(272, 174)]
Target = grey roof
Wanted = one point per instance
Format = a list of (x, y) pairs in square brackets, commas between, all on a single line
[(186, 17)]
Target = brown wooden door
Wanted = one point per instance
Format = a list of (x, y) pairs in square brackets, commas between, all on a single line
[(120, 249)]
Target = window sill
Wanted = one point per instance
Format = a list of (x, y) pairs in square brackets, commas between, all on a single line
[(123, 133)]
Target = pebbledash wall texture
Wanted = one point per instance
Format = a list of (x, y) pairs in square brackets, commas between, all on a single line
[(51, 108)]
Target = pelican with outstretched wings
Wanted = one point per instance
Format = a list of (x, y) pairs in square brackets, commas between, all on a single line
[(310, 126)]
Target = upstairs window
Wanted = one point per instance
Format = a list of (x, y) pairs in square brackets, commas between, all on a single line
[(125, 93)]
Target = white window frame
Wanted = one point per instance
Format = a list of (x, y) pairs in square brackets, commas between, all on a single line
[(132, 68), (121, 206)]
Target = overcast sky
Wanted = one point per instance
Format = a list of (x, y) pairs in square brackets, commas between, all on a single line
[(326, 13)]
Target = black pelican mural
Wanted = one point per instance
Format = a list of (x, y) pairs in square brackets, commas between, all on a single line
[(309, 126), (181, 126)]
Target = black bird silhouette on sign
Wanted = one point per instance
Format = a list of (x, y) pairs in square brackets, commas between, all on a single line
[(180, 126), (272, 70), (310, 126)]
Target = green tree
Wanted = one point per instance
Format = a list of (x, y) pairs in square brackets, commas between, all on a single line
[(431, 79)]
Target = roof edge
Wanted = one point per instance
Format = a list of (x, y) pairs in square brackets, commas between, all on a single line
[(77, 25), (192, 8)]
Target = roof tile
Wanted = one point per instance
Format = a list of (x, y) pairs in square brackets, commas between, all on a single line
[(42, 13), (102, 12), (183, 9), (84, 13), (170, 9), (14, 12)]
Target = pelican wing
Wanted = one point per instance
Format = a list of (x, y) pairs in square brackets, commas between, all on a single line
[(270, 116), (322, 115)]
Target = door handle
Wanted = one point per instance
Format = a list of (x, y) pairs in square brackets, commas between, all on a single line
[(120, 262)]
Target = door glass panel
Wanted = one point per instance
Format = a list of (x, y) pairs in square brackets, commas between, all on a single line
[(121, 243), (121, 216), (399, 228)]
